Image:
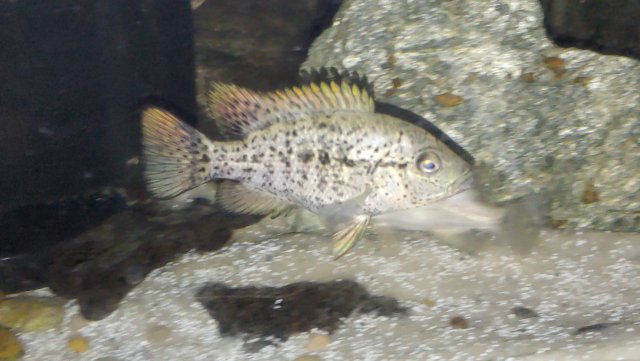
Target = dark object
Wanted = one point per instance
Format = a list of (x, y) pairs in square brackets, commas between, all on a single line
[(100, 266), (279, 312), (74, 73), (524, 312), (30, 229), (608, 27), (459, 322), (255, 43), (596, 327)]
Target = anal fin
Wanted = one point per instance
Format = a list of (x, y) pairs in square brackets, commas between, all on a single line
[(236, 197), (347, 237)]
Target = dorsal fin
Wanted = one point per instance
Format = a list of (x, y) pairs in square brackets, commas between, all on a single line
[(239, 111)]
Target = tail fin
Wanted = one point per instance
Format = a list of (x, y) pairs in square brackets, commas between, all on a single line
[(176, 156)]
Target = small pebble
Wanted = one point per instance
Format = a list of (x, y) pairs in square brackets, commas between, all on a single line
[(523, 312), (78, 344), (28, 314), (318, 342), (449, 99), (459, 322), (158, 334), (10, 347), (590, 193), (308, 358), (528, 77), (429, 302), (556, 65)]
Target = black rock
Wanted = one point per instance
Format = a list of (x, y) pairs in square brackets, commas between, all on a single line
[(609, 27), (278, 312), (101, 266), (524, 312)]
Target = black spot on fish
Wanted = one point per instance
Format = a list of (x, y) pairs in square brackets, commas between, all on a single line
[(322, 125), (402, 165), (255, 158), (323, 157), (272, 148), (348, 162), (247, 170), (205, 159), (201, 170), (305, 156)]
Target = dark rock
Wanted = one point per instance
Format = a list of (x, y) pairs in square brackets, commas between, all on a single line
[(459, 322), (278, 312), (102, 265), (524, 312), (596, 327), (254, 43), (609, 27)]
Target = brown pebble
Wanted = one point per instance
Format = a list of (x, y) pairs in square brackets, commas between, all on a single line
[(318, 342), (449, 99), (528, 77), (158, 334), (583, 80), (556, 65), (590, 194), (78, 344), (429, 302), (10, 347), (459, 322)]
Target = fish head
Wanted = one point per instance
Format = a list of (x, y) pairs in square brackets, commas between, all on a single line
[(434, 171)]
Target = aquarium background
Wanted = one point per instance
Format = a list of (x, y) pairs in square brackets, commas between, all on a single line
[(543, 95)]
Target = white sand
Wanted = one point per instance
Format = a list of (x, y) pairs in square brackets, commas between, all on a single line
[(570, 279)]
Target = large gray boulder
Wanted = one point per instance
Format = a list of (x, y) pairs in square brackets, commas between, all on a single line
[(563, 124)]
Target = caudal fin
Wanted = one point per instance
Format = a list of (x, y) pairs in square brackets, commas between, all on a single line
[(176, 156)]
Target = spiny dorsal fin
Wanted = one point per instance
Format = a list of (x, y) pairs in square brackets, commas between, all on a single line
[(240, 111)]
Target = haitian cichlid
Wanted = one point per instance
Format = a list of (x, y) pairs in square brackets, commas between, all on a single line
[(319, 146)]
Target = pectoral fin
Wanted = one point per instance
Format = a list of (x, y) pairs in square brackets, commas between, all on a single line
[(349, 235)]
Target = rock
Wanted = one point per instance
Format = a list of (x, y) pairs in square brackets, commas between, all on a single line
[(79, 344), (523, 312), (278, 312), (609, 27), (546, 135), (254, 43), (27, 314), (448, 99), (102, 265), (459, 322), (10, 347), (318, 342)]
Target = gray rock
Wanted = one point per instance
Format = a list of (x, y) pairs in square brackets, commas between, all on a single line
[(561, 124)]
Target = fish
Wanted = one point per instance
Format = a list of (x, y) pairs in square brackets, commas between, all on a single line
[(318, 145)]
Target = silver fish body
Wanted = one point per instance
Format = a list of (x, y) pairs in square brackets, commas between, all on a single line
[(319, 146)]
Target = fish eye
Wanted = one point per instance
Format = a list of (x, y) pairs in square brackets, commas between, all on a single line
[(428, 162)]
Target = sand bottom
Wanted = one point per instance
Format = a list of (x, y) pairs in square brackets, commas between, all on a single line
[(571, 280)]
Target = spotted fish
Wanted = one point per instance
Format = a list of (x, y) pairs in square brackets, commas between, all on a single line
[(320, 146)]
